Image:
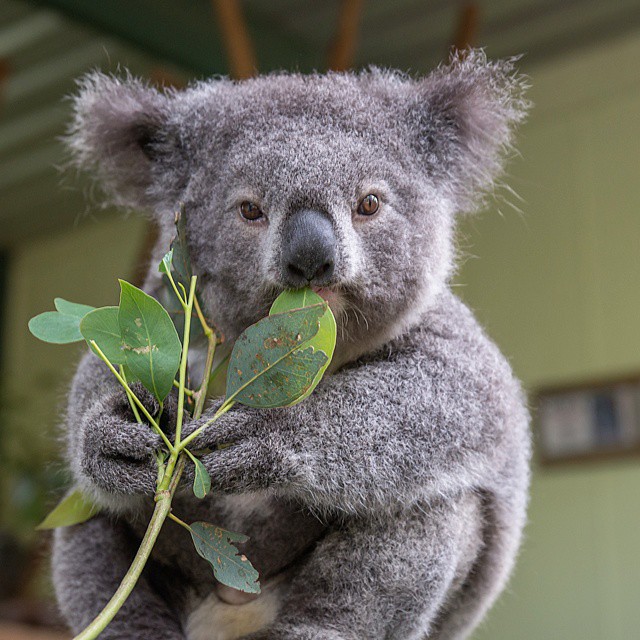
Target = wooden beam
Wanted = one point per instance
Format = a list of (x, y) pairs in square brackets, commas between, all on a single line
[(237, 42), (5, 71), (467, 30), (343, 49), (163, 77)]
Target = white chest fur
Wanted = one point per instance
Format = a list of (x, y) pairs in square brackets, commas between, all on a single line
[(214, 619)]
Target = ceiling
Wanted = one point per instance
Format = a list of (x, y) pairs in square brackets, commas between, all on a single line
[(45, 44)]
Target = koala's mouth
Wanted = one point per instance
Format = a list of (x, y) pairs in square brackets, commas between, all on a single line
[(333, 297)]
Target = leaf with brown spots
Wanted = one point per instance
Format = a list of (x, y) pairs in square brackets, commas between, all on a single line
[(229, 566), (150, 342), (275, 362)]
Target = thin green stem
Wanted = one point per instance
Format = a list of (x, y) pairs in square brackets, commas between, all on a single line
[(182, 300), (201, 394), (160, 513), (226, 405), (177, 520), (142, 408), (129, 393), (187, 392), (183, 362), (208, 330)]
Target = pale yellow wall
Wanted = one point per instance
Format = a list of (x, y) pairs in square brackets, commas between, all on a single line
[(558, 287), (80, 264)]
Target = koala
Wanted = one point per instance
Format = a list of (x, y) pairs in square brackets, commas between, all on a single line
[(390, 503)]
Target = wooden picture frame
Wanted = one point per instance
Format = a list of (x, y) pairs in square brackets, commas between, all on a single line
[(588, 421)]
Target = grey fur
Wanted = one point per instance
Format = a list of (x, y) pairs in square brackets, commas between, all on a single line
[(391, 502)]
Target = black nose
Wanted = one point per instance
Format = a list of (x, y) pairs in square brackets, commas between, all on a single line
[(308, 249)]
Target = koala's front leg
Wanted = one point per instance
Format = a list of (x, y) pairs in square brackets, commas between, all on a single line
[(443, 415), (110, 454), (385, 579), (89, 561)]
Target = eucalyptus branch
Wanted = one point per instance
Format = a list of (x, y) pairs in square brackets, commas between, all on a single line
[(140, 336), (160, 513)]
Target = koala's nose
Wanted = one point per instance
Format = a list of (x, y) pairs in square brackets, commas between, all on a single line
[(308, 249)]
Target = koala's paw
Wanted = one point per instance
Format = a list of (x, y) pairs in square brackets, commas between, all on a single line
[(244, 451), (117, 455)]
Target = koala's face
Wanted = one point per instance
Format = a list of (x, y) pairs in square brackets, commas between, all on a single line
[(310, 188), (348, 183)]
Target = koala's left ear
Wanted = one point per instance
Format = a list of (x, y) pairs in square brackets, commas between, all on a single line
[(463, 118), (123, 135)]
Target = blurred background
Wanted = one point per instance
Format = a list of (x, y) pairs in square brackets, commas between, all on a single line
[(552, 268)]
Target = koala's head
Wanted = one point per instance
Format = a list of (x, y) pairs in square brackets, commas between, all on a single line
[(348, 182)]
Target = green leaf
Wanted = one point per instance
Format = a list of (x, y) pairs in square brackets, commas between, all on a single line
[(229, 566), (102, 326), (73, 509), (180, 265), (325, 339), (201, 480), (128, 375), (72, 308), (273, 362), (62, 326), (151, 344), (165, 264), (181, 261), (55, 327)]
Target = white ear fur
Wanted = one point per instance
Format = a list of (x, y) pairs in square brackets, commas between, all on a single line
[(466, 113)]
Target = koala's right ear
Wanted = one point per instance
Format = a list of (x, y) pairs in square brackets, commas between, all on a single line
[(123, 135)]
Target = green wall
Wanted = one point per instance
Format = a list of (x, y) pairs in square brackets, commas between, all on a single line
[(80, 264), (558, 287)]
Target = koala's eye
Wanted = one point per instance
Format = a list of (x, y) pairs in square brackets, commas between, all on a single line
[(251, 211), (368, 205)]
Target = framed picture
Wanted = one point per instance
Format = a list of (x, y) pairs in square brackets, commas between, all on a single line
[(588, 421)]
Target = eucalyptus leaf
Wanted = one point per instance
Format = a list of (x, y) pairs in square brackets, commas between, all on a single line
[(128, 375), (274, 362), (75, 508), (102, 326), (230, 567), (151, 344), (325, 339), (181, 260), (165, 264), (72, 308), (201, 479), (56, 328)]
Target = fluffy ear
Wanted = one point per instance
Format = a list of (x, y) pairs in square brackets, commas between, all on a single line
[(464, 115), (123, 135)]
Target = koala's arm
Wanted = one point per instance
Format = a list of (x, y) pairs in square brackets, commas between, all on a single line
[(436, 411)]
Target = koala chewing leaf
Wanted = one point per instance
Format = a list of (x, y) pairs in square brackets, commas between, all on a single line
[(390, 503)]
